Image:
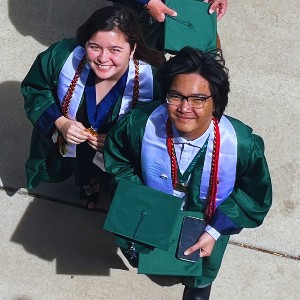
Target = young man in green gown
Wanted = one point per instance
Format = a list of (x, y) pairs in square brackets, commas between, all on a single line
[(188, 148)]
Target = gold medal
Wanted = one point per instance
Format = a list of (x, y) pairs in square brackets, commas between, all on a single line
[(92, 131)]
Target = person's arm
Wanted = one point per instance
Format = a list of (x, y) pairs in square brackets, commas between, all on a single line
[(38, 89), (40, 97), (205, 243), (251, 198), (246, 206), (120, 156), (45, 122), (250, 201), (122, 148), (219, 6), (158, 10)]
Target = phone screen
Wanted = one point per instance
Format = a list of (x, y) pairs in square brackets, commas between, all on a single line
[(191, 230)]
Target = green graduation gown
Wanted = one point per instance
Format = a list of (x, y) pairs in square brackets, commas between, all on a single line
[(41, 89), (136, 147)]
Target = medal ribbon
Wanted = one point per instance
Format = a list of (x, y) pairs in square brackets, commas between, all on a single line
[(199, 158), (98, 114), (213, 182)]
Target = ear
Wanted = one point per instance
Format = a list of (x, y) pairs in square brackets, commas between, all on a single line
[(132, 52)]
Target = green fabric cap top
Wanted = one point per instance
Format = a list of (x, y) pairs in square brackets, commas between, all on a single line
[(160, 262), (193, 26), (143, 214)]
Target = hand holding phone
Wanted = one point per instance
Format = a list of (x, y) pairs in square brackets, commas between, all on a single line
[(191, 230)]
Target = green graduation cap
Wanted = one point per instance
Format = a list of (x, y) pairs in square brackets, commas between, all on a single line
[(160, 262), (193, 26), (143, 214)]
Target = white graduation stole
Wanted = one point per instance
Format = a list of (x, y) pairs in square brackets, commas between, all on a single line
[(145, 86), (156, 166)]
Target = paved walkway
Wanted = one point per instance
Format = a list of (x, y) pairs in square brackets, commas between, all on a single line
[(52, 249)]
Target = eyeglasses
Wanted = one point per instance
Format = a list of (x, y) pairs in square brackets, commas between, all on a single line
[(193, 101)]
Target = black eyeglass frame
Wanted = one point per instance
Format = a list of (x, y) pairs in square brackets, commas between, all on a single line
[(181, 97)]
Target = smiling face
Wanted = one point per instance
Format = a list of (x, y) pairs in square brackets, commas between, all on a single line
[(190, 122), (108, 54)]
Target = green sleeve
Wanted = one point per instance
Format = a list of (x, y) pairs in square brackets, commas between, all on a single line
[(123, 144), (250, 201), (40, 84), (122, 157)]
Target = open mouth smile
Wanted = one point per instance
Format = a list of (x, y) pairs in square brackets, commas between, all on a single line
[(103, 67)]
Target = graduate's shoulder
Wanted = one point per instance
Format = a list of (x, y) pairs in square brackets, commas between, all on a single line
[(247, 139), (135, 121), (66, 43), (61, 49), (242, 130), (143, 110)]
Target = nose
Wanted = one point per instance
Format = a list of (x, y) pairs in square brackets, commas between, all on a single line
[(184, 106), (103, 56)]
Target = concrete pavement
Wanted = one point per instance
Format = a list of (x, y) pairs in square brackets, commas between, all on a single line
[(52, 249)]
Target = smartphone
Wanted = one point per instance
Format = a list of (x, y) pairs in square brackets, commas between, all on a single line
[(191, 230)]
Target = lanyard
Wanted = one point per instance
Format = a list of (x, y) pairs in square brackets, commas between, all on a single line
[(182, 179)]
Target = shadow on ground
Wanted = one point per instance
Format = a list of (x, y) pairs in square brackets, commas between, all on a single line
[(15, 132), (15, 137), (50, 21), (72, 237), (51, 230)]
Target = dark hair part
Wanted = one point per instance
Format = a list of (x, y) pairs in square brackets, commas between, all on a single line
[(209, 65), (123, 19)]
